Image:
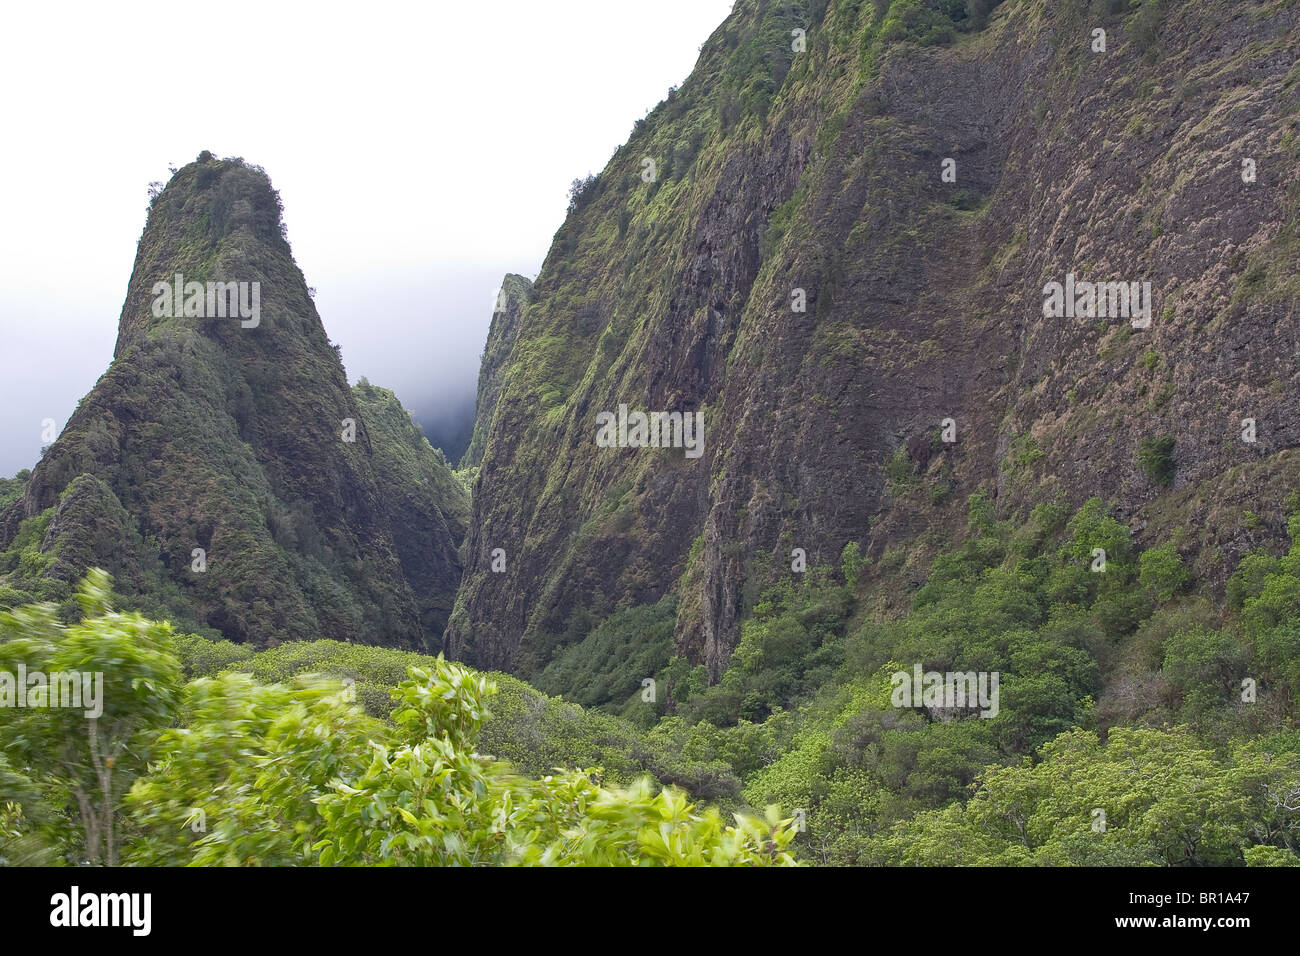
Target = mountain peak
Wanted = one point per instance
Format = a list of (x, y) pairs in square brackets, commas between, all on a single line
[(214, 241), (226, 429)]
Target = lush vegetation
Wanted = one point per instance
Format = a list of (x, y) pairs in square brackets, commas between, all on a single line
[(1105, 669), (607, 668), (1138, 723), (228, 477), (11, 488), (1142, 715), (231, 770)]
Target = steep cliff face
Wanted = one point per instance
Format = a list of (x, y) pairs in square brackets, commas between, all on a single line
[(222, 468), (427, 507), (508, 310), (778, 247)]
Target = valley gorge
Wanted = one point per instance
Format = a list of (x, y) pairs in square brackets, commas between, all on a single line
[(894, 462)]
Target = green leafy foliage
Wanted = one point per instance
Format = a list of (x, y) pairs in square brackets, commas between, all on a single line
[(1075, 642), (87, 756), (785, 653), (297, 774), (533, 732), (925, 22), (1162, 572), (1141, 797), (12, 488), (1155, 457), (229, 770), (338, 754), (607, 667)]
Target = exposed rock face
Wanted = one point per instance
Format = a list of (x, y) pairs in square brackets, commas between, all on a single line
[(211, 470), (782, 178), (507, 313)]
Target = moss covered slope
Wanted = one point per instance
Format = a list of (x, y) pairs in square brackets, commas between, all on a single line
[(777, 169), (222, 468), (512, 299)]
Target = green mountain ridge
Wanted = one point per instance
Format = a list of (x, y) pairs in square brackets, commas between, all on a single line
[(910, 468), (788, 179), (223, 470), (507, 311)]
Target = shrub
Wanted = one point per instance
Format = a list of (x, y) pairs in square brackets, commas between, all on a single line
[(1155, 456), (1146, 23), (297, 774), (900, 470), (1250, 577), (977, 11), (917, 22), (581, 192), (1161, 572), (606, 667), (1204, 667), (851, 562)]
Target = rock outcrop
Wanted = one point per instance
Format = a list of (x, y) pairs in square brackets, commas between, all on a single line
[(778, 246), (222, 469), (508, 311)]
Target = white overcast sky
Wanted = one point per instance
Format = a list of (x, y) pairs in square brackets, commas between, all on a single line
[(422, 150)]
